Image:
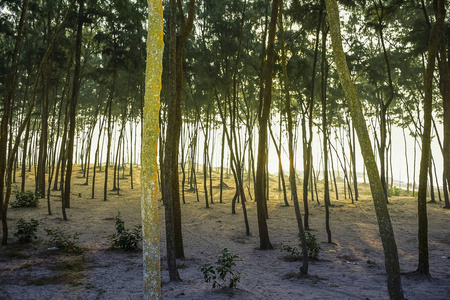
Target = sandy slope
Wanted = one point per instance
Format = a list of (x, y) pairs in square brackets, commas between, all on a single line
[(351, 268)]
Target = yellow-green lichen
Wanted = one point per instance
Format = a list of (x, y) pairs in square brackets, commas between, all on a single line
[(150, 134)]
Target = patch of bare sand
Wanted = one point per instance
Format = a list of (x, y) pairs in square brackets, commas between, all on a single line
[(350, 268)]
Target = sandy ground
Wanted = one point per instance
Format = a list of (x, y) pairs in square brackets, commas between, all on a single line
[(350, 268)]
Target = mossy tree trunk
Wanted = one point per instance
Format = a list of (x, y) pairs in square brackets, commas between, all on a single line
[(379, 198), (150, 136)]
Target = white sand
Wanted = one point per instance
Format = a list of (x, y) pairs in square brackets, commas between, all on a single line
[(351, 268)]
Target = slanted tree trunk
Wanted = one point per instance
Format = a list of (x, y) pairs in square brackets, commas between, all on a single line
[(384, 223), (280, 168)]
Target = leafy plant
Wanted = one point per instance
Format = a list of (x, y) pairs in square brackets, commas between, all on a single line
[(63, 241), (313, 246), (223, 269), (294, 252), (394, 191), (311, 243), (26, 230), (124, 238), (25, 199)]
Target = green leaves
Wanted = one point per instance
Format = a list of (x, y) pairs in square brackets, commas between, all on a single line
[(64, 241), (224, 268), (124, 238), (25, 199), (26, 230)]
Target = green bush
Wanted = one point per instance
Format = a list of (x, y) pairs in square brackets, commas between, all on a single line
[(63, 241), (224, 268), (313, 246), (124, 238), (394, 191), (311, 243), (295, 254), (26, 230), (25, 199)]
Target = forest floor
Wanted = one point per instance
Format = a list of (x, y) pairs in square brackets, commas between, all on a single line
[(352, 267)]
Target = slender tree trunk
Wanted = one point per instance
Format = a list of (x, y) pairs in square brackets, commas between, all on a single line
[(326, 195), (170, 171), (24, 157), (292, 175), (5, 120), (149, 182), (444, 72), (435, 35), (307, 149), (263, 121), (384, 223), (280, 169), (430, 179), (406, 160), (73, 106), (109, 135)]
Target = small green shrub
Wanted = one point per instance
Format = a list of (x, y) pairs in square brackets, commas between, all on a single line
[(124, 238), (25, 199), (63, 241), (394, 191), (311, 243), (295, 254), (313, 246), (26, 230), (224, 268)]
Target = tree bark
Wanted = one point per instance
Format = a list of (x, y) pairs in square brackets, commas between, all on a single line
[(150, 134), (73, 106), (384, 223), (5, 120), (435, 36), (264, 240), (292, 173)]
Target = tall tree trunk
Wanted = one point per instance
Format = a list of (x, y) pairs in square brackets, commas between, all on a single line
[(174, 140), (149, 182), (435, 35), (94, 171), (5, 120), (292, 175), (24, 156), (264, 240), (235, 168), (280, 168), (307, 143), (406, 161), (109, 134), (384, 223), (170, 170), (444, 72), (326, 195), (73, 106)]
